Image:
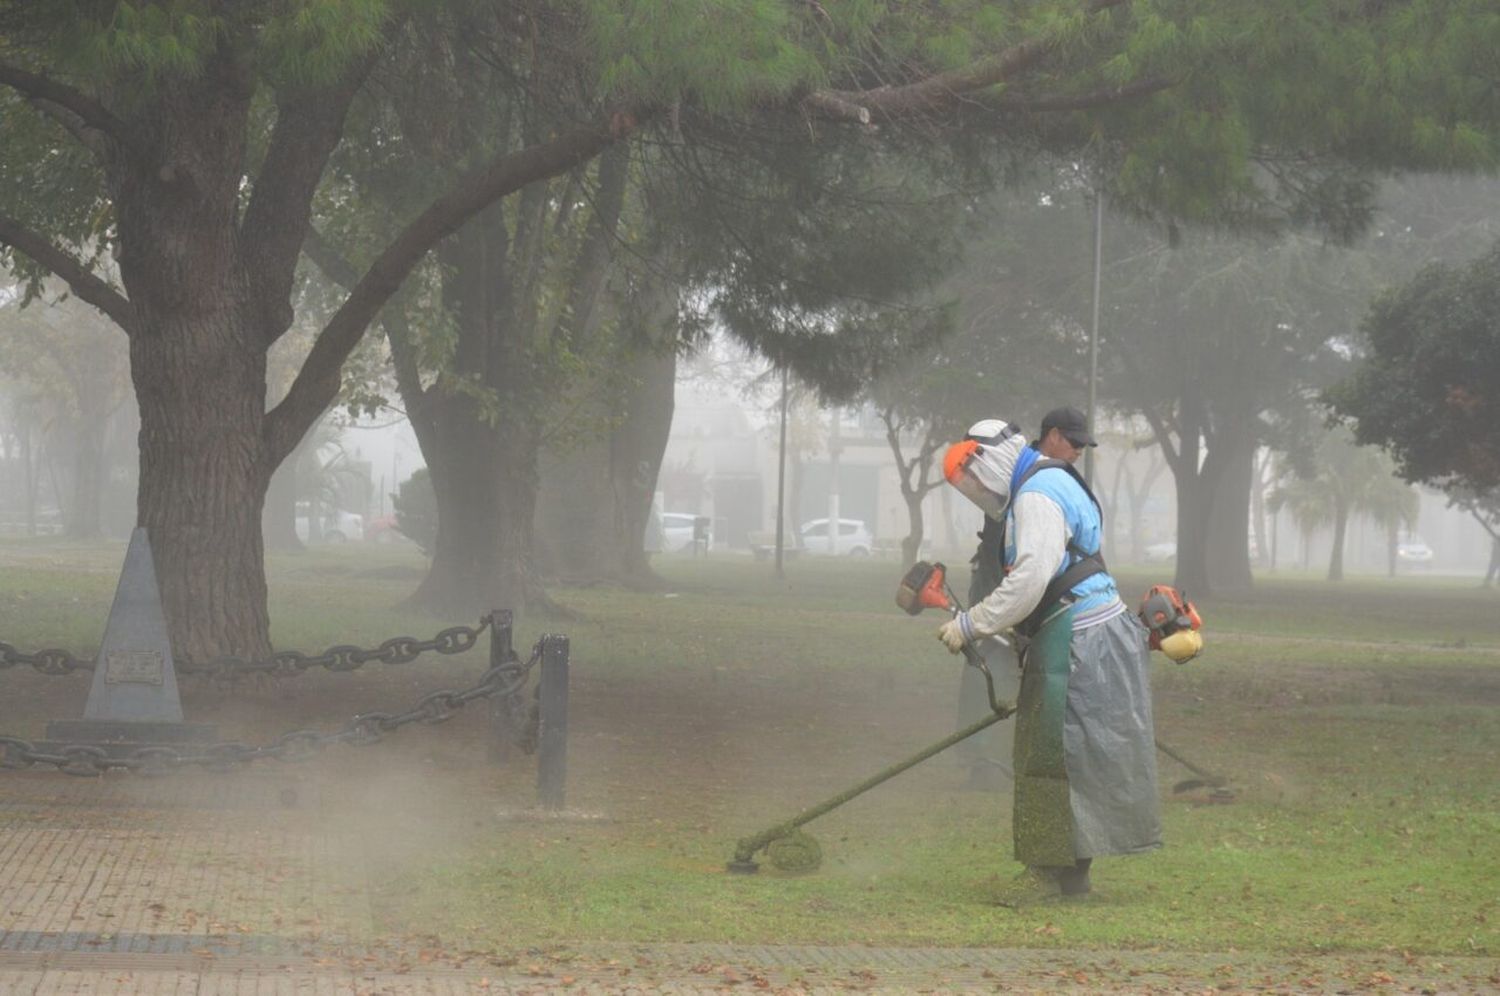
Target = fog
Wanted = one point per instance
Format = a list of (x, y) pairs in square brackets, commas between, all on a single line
[(713, 696)]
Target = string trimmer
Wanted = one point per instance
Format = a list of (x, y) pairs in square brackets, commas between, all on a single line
[(924, 586), (1174, 623), (1218, 785)]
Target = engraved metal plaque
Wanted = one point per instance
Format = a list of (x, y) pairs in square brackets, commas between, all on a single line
[(136, 667)]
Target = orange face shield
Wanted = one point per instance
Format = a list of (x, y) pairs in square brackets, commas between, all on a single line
[(957, 457), (956, 471)]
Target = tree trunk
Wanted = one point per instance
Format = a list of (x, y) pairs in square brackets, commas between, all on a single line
[(484, 464), (1193, 507), (574, 536), (1231, 466), (637, 447), (1258, 511), (594, 501), (197, 359), (485, 479), (1194, 501), (1340, 528), (912, 477), (911, 544), (203, 479)]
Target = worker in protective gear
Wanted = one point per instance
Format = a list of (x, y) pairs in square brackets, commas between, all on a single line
[(1064, 435), (1085, 762)]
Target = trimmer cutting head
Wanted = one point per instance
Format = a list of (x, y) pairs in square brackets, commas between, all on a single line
[(924, 586)]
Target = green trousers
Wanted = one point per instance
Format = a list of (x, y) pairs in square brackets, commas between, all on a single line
[(1042, 819)]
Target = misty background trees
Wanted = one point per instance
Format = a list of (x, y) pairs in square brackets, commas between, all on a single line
[(543, 207)]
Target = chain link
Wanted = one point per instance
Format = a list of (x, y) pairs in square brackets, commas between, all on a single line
[(504, 679), (51, 661), (396, 650)]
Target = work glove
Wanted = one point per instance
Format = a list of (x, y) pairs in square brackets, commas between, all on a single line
[(955, 633)]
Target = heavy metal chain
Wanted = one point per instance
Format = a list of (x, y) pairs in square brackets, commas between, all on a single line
[(503, 679), (396, 650)]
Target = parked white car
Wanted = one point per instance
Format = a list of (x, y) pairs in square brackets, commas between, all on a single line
[(336, 526), (1413, 550), (677, 532), (854, 538)]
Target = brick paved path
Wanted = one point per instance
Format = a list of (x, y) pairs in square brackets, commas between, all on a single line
[(250, 884)]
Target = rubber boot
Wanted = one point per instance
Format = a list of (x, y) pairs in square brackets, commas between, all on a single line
[(1074, 882), (1037, 884)]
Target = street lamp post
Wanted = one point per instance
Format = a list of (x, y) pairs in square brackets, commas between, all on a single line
[(1088, 454), (781, 482)]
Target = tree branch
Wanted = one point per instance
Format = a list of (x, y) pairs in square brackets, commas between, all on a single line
[(592, 267), (893, 440), (326, 257), (418, 399), (840, 106), (1159, 428), (86, 136), (940, 90), (1484, 523), (79, 278), (308, 128), (931, 443), (49, 95), (336, 267), (1164, 441), (317, 383)]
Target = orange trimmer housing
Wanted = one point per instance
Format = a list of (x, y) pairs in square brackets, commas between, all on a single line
[(924, 587)]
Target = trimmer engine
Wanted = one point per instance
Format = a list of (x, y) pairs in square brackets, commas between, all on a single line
[(1174, 623), (925, 586)]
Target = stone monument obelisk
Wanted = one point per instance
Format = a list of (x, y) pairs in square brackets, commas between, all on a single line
[(133, 701)]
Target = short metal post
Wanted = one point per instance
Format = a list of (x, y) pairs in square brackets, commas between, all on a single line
[(552, 764), (502, 718)]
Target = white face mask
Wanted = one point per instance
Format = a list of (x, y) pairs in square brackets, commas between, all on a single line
[(989, 502)]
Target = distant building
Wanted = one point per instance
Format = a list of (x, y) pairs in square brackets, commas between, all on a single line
[(721, 461)]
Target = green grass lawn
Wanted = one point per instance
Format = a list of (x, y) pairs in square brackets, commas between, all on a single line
[(1359, 724)]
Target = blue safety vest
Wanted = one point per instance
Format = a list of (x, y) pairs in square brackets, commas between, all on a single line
[(1089, 585)]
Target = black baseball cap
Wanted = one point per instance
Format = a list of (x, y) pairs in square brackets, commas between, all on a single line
[(1074, 426)]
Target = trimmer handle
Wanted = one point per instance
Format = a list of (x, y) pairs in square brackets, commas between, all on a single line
[(976, 660), (971, 653)]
